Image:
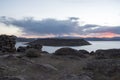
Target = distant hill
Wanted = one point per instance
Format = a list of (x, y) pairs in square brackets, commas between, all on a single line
[(93, 38), (19, 39), (103, 39)]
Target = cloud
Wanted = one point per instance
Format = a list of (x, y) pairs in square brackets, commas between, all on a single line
[(58, 27), (45, 26)]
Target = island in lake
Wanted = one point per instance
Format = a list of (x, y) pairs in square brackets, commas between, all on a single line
[(60, 42)]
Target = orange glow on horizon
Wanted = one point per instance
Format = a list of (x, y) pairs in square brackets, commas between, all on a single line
[(96, 35), (107, 35)]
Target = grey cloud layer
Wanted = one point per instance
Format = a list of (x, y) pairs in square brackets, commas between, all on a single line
[(57, 27)]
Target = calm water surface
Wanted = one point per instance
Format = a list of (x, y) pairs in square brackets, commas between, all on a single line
[(95, 45)]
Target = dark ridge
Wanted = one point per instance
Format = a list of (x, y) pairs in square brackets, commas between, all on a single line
[(60, 42)]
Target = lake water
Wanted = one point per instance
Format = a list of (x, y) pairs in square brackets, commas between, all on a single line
[(95, 45), (20, 44)]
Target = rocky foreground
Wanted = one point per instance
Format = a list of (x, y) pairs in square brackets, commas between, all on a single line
[(31, 63)]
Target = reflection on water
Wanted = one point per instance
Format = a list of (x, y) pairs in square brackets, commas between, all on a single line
[(95, 45)]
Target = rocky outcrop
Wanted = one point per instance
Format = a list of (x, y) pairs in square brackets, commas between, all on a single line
[(31, 52), (105, 69), (21, 49), (83, 52), (70, 51), (34, 46), (60, 42), (44, 52), (106, 54), (7, 43), (66, 51)]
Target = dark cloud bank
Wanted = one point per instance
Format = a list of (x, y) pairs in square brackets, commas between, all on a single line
[(57, 27)]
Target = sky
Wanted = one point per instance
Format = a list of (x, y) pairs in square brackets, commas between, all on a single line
[(58, 18)]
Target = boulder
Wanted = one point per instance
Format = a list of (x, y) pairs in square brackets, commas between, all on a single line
[(68, 51), (32, 53), (44, 52), (106, 54), (21, 49), (83, 52), (24, 48), (92, 53), (35, 46), (7, 43)]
